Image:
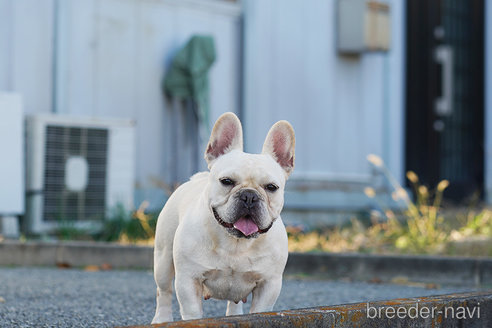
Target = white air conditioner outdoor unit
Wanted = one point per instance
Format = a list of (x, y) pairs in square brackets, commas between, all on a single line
[(78, 170)]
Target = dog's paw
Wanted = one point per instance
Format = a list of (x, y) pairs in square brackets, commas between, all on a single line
[(161, 318)]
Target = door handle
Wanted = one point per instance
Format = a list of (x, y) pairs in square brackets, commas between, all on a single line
[(443, 105)]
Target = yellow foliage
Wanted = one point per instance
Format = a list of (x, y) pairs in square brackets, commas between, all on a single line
[(420, 228)]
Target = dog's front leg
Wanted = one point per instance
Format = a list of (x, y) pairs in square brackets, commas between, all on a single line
[(265, 295), (189, 292)]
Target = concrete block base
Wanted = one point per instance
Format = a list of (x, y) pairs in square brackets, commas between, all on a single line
[(9, 226)]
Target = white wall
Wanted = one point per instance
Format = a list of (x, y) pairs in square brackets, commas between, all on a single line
[(341, 107), (118, 52), (26, 56), (12, 163), (111, 56)]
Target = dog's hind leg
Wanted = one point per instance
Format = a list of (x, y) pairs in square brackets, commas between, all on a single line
[(164, 265), (233, 308), (163, 275)]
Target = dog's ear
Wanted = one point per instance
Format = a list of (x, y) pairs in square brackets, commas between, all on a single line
[(227, 135), (280, 144)]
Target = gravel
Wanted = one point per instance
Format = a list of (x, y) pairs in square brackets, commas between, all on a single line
[(51, 297)]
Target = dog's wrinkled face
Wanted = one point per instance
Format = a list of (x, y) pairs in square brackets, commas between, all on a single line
[(246, 191)]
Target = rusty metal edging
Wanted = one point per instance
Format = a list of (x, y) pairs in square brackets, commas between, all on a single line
[(477, 308)]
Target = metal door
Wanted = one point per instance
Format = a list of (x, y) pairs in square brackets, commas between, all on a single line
[(445, 94)]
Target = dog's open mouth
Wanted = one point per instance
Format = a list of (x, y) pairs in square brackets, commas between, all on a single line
[(245, 224), (244, 227)]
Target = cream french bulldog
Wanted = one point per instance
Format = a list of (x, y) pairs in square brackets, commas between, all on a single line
[(220, 234)]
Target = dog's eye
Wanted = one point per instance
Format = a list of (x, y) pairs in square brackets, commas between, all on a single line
[(271, 187), (227, 182)]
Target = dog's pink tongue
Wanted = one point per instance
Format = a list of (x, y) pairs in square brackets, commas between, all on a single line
[(246, 226)]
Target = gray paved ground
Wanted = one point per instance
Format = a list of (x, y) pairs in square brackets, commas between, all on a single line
[(50, 297)]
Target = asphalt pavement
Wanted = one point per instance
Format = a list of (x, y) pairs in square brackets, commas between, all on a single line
[(53, 297)]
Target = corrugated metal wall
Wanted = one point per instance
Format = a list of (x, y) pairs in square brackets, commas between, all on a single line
[(339, 104), (106, 58), (111, 56), (342, 107)]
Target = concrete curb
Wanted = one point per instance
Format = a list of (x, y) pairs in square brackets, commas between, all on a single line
[(432, 269), (75, 254), (446, 309)]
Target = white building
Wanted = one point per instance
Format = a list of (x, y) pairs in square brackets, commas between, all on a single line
[(276, 59)]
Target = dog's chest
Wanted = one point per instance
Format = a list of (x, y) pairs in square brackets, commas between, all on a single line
[(228, 284)]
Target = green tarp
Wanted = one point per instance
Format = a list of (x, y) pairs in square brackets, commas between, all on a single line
[(187, 77)]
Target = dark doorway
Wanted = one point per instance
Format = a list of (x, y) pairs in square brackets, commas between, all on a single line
[(445, 94)]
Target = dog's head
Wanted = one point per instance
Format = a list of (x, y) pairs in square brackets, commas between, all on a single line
[(246, 191)]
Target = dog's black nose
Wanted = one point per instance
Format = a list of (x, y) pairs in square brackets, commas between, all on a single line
[(249, 197)]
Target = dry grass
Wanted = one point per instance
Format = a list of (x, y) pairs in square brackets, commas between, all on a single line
[(420, 228)]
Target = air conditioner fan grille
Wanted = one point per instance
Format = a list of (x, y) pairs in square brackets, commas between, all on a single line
[(61, 204)]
